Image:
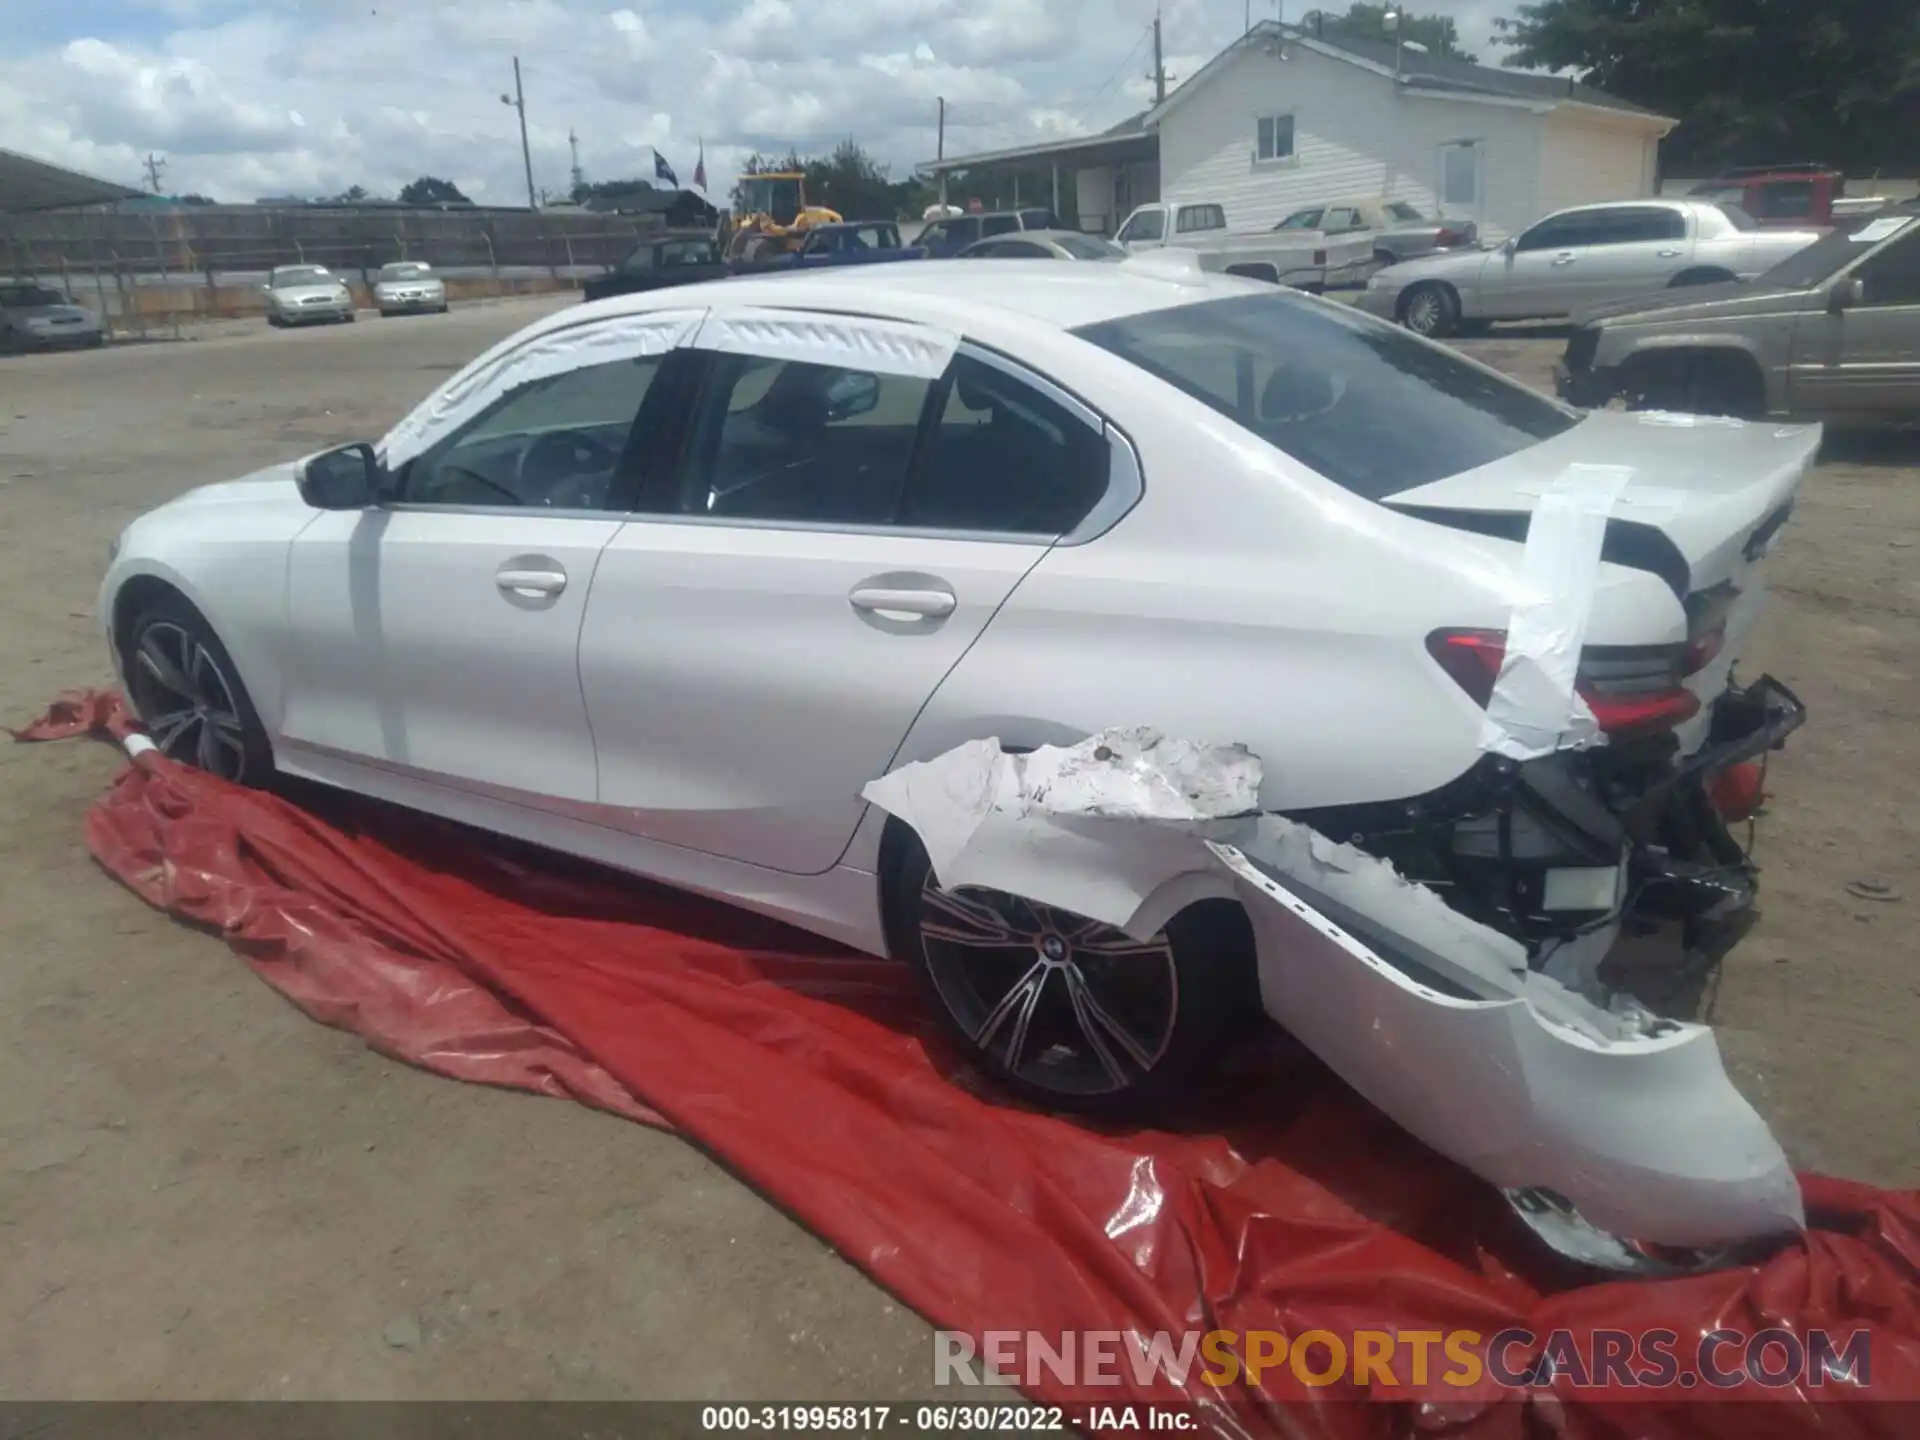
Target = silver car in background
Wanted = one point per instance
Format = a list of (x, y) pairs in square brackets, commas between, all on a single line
[(409, 287), (1396, 229), (36, 317), (1043, 245), (306, 294), (1575, 259)]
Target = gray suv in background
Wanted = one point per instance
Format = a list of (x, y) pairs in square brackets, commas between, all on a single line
[(1831, 331)]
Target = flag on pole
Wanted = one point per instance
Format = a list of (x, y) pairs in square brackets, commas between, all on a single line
[(664, 171), (700, 168)]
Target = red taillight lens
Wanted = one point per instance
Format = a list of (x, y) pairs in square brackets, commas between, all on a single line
[(1630, 691), (1448, 237), (1738, 791)]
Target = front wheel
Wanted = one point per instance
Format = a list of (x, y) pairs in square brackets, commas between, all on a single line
[(187, 693), (1431, 310), (1070, 1013)]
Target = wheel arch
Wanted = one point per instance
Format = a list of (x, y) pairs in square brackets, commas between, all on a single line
[(1702, 275), (152, 581), (1255, 270)]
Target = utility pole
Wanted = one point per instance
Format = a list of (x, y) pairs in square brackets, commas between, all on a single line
[(1159, 76), (155, 168), (578, 175), (940, 150), (518, 100)]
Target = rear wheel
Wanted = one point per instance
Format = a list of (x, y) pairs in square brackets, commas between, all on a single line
[(188, 694), (1068, 1012), (1430, 309)]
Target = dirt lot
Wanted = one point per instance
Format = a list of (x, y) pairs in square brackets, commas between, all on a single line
[(205, 1195)]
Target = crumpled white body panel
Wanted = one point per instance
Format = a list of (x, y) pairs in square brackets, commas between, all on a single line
[(1434, 1018), (886, 347)]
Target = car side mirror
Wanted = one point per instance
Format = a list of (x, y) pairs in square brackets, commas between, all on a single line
[(852, 393), (1510, 245), (349, 478), (1846, 294)]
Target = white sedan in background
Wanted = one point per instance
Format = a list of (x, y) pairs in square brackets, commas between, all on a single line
[(409, 287), (668, 580), (1578, 258), (306, 295)]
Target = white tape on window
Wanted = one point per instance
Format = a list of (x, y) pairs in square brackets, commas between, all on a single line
[(888, 347), (466, 395), (1535, 709)]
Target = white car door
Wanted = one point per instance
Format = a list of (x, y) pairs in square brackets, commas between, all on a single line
[(1146, 229), (438, 634), (831, 540), (1534, 273)]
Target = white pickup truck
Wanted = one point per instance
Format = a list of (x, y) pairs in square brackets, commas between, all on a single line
[(1304, 259)]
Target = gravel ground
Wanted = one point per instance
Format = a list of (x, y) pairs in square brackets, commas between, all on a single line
[(206, 1195)]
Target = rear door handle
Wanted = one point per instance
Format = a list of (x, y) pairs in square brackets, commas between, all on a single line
[(532, 584), (1564, 259), (911, 604), (1667, 254)]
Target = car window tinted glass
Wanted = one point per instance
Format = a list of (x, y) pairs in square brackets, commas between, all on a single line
[(781, 440), (1892, 274), (1830, 254), (554, 443), (999, 224), (687, 252), (1089, 247), (1147, 225), (1005, 458), (1301, 220), (1783, 200), (1363, 403), (1631, 226), (1037, 220), (21, 297), (1400, 210), (1193, 218), (1561, 232)]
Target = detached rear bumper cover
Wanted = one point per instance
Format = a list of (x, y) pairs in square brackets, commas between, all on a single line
[(1435, 1018)]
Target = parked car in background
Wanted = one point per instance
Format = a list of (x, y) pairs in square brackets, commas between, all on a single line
[(851, 242), (656, 264), (306, 295), (37, 317), (1396, 230), (1044, 245), (1578, 258), (944, 238), (409, 287), (1789, 197), (1304, 259), (1831, 331)]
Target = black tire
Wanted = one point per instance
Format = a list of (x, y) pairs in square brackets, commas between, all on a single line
[(1176, 1018), (276, 322), (350, 317), (1430, 309), (187, 691)]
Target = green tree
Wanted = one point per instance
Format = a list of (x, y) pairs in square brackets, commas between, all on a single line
[(1369, 22), (1751, 81), (430, 190)]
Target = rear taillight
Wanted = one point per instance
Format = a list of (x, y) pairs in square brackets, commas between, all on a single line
[(1448, 237), (1631, 690)]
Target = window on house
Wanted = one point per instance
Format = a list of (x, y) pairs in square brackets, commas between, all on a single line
[(1460, 174), (1274, 138)]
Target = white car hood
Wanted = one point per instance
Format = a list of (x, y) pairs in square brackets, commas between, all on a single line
[(275, 482)]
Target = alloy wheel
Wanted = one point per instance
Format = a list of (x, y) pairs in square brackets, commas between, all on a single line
[(187, 701), (1423, 312), (1067, 1004)]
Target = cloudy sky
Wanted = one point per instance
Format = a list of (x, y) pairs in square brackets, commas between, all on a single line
[(311, 96)]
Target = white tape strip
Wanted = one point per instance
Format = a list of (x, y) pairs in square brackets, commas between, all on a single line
[(1534, 709), (887, 347), (621, 337), (137, 745)]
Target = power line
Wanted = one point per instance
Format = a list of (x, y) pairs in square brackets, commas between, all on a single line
[(1118, 71)]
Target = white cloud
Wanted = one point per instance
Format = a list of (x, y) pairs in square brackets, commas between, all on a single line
[(322, 94)]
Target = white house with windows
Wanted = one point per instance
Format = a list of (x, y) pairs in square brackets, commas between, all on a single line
[(1283, 119)]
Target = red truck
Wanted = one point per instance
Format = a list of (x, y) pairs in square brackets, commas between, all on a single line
[(1803, 196)]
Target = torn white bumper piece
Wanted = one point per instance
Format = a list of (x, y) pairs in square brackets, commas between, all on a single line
[(1436, 1019)]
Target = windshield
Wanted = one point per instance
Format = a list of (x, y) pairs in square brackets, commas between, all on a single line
[(20, 297), (1400, 210), (778, 196), (403, 270), (301, 275), (1089, 247), (1832, 253), (1301, 220), (1369, 406)]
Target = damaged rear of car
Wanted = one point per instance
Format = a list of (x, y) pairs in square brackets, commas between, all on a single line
[(1482, 647)]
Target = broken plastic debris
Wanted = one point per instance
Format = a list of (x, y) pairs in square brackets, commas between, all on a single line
[(1435, 1018)]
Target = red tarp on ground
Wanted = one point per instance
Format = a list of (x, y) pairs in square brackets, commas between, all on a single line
[(1287, 1204)]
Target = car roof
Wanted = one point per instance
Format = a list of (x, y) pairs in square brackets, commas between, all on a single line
[(949, 292)]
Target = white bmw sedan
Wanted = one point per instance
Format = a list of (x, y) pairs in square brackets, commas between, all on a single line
[(665, 580)]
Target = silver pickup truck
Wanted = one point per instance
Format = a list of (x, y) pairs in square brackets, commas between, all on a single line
[(1303, 259)]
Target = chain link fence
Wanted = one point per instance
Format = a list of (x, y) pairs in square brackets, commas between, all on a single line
[(149, 272)]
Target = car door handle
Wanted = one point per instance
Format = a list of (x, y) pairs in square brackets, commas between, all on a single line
[(925, 604), (532, 584), (1667, 254), (1565, 259)]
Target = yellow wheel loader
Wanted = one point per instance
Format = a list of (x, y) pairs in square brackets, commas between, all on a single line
[(773, 217)]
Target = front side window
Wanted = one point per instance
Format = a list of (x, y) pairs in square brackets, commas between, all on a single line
[(1004, 458), (1832, 253), (639, 260), (687, 252), (1361, 402), (785, 440), (1147, 225), (999, 224), (1892, 276), (1404, 213), (554, 443), (1301, 220), (1342, 219), (1564, 232), (1784, 200), (1273, 138)]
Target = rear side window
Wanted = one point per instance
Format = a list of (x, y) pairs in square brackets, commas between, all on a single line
[(1783, 200), (1200, 217), (1005, 458), (1361, 402), (999, 224)]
